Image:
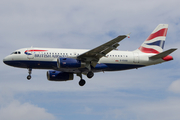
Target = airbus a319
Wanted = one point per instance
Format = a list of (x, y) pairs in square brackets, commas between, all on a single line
[(64, 63)]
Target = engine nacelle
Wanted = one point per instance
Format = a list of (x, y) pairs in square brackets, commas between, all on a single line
[(69, 63), (59, 76)]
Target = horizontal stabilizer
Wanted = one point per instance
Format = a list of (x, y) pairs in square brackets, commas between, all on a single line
[(163, 54)]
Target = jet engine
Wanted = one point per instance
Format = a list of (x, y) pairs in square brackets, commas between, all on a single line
[(69, 63), (59, 76)]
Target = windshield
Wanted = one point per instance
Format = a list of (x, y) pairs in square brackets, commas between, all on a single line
[(16, 52)]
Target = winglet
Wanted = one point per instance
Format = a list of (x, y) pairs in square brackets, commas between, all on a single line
[(128, 35)]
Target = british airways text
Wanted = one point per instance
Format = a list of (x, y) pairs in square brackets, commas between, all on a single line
[(48, 56)]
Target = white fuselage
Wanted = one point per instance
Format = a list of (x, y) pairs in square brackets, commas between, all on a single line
[(46, 58)]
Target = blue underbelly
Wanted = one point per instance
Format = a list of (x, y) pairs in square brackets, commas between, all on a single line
[(53, 65)]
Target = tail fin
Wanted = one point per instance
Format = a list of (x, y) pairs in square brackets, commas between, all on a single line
[(155, 42)]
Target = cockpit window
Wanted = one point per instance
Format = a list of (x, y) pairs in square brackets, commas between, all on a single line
[(16, 52)]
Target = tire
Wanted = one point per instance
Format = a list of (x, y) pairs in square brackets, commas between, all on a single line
[(82, 82), (29, 77), (90, 74)]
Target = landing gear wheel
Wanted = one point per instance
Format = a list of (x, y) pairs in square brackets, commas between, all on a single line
[(82, 82), (29, 71), (90, 74), (29, 77)]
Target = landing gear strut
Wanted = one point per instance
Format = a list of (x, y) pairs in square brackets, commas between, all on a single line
[(29, 71), (82, 82)]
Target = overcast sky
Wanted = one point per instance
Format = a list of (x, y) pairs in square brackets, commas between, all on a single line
[(150, 93)]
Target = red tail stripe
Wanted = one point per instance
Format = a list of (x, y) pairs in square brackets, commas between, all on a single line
[(148, 50), (161, 32)]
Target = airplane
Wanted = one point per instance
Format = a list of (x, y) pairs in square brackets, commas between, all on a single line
[(64, 63)]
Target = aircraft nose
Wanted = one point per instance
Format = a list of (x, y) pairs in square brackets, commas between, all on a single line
[(6, 59)]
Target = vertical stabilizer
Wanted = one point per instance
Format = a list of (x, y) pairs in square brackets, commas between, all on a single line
[(155, 42)]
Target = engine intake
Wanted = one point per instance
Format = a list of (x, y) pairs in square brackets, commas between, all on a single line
[(69, 63), (59, 76)]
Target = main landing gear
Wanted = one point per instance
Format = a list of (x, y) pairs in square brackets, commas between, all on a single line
[(29, 71), (82, 82), (90, 74)]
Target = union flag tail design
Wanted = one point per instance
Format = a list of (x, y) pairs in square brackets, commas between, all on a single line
[(155, 42)]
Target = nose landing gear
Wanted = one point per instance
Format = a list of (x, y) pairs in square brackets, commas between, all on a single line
[(29, 71)]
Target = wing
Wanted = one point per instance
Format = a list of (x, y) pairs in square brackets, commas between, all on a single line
[(95, 54)]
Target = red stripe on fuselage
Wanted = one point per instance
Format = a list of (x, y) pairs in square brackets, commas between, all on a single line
[(159, 33), (35, 50), (148, 50)]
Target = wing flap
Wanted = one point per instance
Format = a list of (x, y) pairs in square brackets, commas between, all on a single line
[(100, 51)]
